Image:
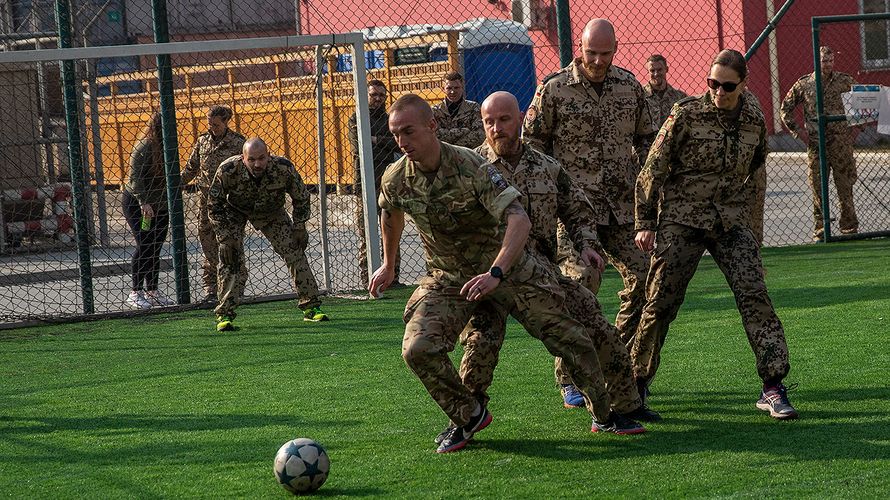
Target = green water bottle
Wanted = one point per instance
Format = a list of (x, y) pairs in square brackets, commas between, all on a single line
[(145, 224)]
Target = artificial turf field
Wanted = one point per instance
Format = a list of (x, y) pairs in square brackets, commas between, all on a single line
[(162, 406)]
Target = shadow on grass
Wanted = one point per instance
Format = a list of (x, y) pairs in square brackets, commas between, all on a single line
[(165, 423), (789, 298), (827, 430)]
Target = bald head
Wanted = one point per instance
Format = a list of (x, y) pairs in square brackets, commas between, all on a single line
[(502, 101), (598, 47), (502, 121), (599, 31), (255, 155)]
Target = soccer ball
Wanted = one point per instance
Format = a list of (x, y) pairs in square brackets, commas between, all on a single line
[(301, 465)]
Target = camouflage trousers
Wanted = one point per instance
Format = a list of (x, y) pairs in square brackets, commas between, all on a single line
[(483, 337), (759, 180), (842, 166), (288, 240), (436, 314), (632, 264), (207, 238), (359, 220), (679, 249)]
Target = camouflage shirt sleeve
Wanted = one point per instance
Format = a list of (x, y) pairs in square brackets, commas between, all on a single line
[(537, 129), (789, 103), (575, 211), (492, 190), (656, 170), (193, 166), (217, 207), (645, 127), (299, 195)]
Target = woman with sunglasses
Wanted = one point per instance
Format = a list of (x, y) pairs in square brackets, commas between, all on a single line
[(701, 168)]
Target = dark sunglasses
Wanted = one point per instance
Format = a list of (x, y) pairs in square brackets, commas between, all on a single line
[(727, 86)]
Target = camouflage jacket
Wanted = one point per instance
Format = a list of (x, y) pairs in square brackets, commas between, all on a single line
[(599, 140), (804, 91), (462, 129), (235, 189), (548, 194), (458, 214), (207, 154), (383, 150), (660, 103), (702, 168)]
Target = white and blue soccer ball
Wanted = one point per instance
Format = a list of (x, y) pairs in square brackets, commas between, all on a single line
[(301, 465)]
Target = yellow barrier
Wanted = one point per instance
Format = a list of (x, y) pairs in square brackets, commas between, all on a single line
[(281, 110)]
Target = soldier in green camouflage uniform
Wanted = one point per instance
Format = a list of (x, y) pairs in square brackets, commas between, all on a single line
[(594, 119), (659, 93), (838, 141), (548, 195), (252, 187), (694, 194), (458, 118), (211, 149), (474, 233)]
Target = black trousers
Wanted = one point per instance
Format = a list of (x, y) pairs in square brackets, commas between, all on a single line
[(147, 256)]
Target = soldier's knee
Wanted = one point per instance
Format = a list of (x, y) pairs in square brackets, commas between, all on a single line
[(417, 351)]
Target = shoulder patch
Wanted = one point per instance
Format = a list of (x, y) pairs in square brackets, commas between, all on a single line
[(531, 115), (496, 178)]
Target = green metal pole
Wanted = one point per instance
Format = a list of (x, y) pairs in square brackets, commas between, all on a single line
[(820, 114), (564, 32), (171, 153), (75, 160), (771, 25)]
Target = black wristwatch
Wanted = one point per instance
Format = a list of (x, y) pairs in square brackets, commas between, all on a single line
[(496, 272)]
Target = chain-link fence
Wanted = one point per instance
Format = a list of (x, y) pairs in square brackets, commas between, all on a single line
[(496, 45)]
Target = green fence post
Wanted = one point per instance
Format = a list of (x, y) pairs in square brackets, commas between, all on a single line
[(75, 159), (171, 153), (820, 116), (564, 32), (770, 26)]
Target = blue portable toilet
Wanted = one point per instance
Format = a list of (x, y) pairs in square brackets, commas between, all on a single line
[(497, 55)]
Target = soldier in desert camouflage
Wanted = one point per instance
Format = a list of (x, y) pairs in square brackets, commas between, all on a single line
[(252, 187), (458, 117), (659, 93), (593, 118), (694, 194), (211, 149), (548, 194), (838, 141), (474, 232)]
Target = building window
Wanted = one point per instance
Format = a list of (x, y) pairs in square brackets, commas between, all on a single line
[(875, 36)]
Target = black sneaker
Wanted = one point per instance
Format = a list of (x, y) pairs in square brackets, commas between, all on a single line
[(618, 424), (441, 436), (775, 400), (458, 437), (643, 414)]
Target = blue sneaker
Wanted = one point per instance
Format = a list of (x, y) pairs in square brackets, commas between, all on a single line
[(571, 398)]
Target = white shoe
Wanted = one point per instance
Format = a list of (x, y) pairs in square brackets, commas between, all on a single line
[(157, 298), (137, 300)]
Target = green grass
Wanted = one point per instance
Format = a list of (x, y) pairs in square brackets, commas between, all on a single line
[(162, 406)]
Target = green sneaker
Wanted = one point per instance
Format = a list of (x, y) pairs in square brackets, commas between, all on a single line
[(314, 314), (224, 324)]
